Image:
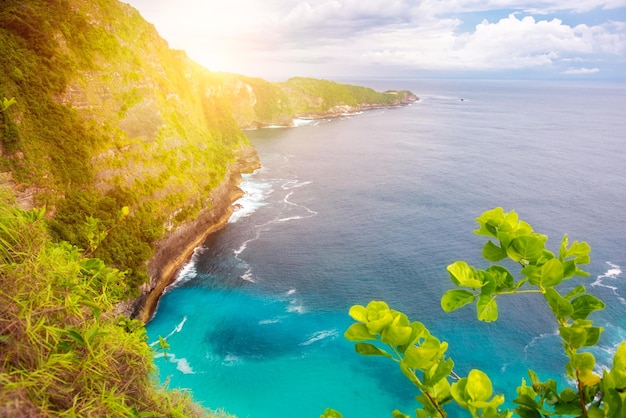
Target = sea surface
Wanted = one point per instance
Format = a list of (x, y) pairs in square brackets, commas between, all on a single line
[(374, 207)]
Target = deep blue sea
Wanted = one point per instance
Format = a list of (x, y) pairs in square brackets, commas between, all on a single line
[(374, 207)]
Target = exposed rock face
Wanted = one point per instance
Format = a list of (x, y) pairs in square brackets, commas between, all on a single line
[(107, 117), (176, 249)]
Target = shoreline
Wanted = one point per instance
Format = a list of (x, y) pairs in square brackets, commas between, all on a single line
[(175, 250), (334, 112)]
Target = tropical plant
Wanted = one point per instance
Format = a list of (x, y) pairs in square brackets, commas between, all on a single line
[(63, 349), (385, 332)]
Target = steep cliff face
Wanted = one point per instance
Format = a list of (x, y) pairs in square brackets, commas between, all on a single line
[(134, 149), (108, 116)]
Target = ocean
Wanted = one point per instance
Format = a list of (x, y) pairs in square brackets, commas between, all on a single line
[(374, 207)]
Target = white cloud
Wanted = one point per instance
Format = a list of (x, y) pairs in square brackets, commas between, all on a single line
[(341, 37), (577, 71)]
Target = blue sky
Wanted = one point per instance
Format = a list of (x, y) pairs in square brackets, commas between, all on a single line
[(277, 39)]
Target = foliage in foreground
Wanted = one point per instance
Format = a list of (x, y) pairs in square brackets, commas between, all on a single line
[(381, 331), (62, 350)]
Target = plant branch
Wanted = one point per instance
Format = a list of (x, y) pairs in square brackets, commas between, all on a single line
[(435, 404), (581, 394)]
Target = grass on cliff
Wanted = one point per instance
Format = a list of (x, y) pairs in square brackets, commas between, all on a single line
[(330, 94), (62, 350), (107, 116)]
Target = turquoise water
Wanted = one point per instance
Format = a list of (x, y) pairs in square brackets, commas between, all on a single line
[(375, 206)]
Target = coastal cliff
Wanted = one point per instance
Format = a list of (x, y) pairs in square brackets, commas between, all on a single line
[(106, 117), (177, 247), (257, 103), (120, 156)]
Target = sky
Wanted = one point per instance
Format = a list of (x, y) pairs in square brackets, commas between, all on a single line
[(278, 39)]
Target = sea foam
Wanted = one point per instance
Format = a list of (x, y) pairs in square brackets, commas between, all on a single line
[(611, 275)]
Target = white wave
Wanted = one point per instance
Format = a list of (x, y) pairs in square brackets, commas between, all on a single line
[(612, 274), (293, 184), (288, 202), (291, 218), (320, 335), (294, 306), (177, 328), (248, 276), (535, 340), (254, 197), (269, 321), (302, 122), (230, 360), (186, 273), (183, 366), (291, 292)]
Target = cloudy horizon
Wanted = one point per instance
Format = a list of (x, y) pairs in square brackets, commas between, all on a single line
[(545, 39)]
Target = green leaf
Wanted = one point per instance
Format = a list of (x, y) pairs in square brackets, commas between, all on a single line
[(533, 273), (529, 248), (488, 281), (424, 356), (526, 400), (76, 336), (493, 252), (563, 248), (583, 361), (376, 316), (418, 331), (573, 336), (358, 332), (456, 298), (487, 308), (525, 412), (331, 413), (95, 308), (368, 349), (407, 370), (398, 332), (489, 222), (398, 414), (569, 269), (459, 393), (578, 290), (479, 386), (586, 304), (503, 278), (618, 371), (462, 274), (569, 410), (593, 336), (358, 313), (551, 273), (441, 371), (580, 250), (561, 307)]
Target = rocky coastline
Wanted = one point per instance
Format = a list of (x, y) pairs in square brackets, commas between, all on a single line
[(404, 98), (173, 251)]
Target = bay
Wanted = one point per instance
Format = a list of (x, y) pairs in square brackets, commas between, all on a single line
[(374, 207)]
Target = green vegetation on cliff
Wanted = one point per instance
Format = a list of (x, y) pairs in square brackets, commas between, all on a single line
[(107, 116), (257, 102), (64, 352), (121, 143)]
